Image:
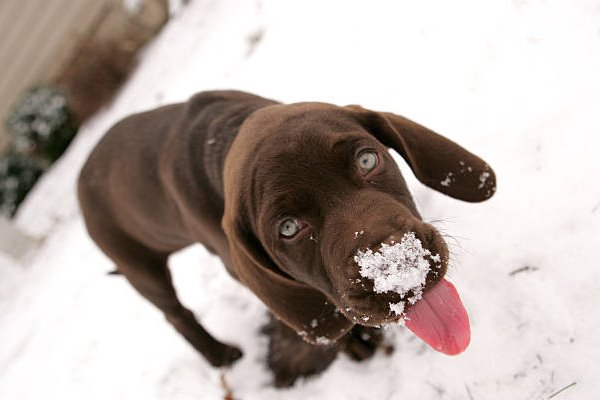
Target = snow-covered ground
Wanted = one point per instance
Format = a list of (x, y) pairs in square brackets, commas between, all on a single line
[(516, 82)]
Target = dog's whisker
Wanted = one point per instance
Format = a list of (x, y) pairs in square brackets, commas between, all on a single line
[(440, 222), (453, 243)]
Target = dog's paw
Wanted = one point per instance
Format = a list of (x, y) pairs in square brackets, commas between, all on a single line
[(362, 342), (290, 357), (299, 360), (225, 356)]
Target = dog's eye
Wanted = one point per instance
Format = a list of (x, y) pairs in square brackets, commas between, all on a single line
[(367, 161), (289, 228)]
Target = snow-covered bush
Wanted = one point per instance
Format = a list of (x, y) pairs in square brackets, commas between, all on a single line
[(41, 128), (41, 125), (18, 174)]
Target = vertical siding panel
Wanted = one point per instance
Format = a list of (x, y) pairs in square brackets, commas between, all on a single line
[(78, 27), (46, 54), (36, 38), (35, 53), (15, 24), (16, 19), (8, 10), (32, 36)]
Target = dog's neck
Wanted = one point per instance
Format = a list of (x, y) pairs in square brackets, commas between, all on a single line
[(216, 146), (214, 122)]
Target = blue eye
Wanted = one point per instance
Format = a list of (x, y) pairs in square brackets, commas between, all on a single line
[(367, 161), (289, 228)]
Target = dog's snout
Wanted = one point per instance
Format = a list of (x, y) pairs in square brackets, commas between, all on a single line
[(408, 239)]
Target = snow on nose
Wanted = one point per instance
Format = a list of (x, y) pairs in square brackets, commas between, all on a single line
[(399, 267)]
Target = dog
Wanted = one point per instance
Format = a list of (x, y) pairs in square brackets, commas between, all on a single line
[(285, 195)]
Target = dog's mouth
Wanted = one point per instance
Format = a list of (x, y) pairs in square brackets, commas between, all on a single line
[(400, 279)]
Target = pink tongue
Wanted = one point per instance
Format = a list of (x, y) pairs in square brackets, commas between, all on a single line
[(440, 319)]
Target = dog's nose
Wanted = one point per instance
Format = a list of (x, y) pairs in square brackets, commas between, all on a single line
[(368, 242), (367, 245), (399, 265), (389, 241)]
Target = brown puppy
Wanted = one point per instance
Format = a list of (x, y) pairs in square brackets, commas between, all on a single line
[(285, 195)]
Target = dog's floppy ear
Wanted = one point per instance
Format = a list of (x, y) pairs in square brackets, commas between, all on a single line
[(302, 308), (436, 161)]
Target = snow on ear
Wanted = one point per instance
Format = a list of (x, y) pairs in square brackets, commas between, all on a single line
[(302, 308), (435, 160)]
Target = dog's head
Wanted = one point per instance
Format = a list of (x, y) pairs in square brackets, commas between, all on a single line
[(309, 185)]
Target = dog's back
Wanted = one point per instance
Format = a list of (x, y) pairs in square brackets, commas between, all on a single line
[(119, 186), (156, 176)]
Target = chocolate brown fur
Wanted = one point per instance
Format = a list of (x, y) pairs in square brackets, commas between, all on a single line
[(225, 167)]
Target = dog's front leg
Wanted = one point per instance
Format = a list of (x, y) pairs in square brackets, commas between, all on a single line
[(149, 275), (290, 357)]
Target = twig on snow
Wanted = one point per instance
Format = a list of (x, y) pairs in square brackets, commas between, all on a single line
[(226, 388), (469, 392), (526, 268), (539, 358), (438, 389), (562, 390)]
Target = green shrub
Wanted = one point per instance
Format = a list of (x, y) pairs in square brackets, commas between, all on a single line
[(41, 125), (18, 174), (41, 128)]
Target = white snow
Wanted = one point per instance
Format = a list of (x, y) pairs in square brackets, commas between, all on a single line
[(482, 179), (323, 341), (447, 180), (397, 308), (397, 267), (515, 82), (358, 233)]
